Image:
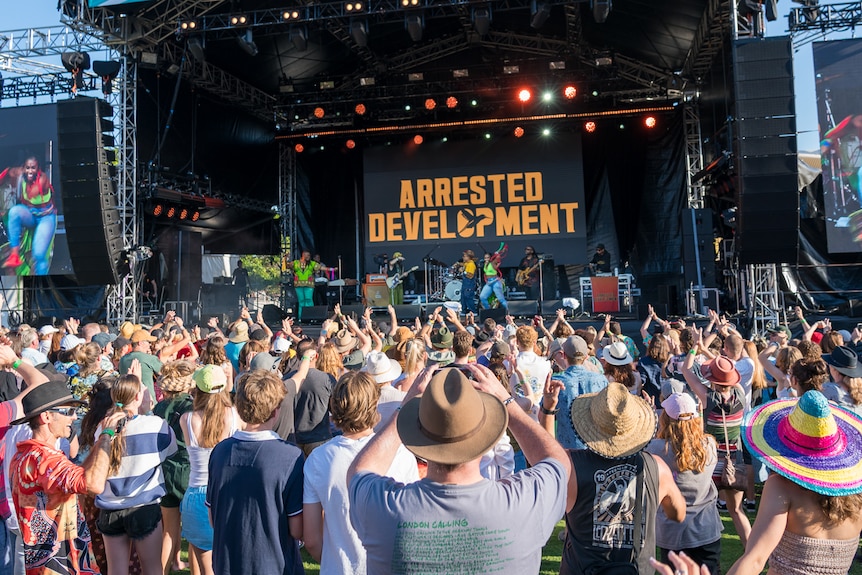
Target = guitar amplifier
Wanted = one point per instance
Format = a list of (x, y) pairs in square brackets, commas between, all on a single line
[(375, 279), (376, 295)]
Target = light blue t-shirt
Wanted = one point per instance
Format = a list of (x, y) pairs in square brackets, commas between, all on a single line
[(578, 381)]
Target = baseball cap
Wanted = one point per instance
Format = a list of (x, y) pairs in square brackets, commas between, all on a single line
[(782, 329), (47, 330), (575, 345), (210, 378), (142, 335), (281, 345), (680, 406), (103, 339), (70, 341)]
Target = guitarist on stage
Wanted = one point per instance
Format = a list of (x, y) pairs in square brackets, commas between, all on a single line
[(395, 269), (528, 272)]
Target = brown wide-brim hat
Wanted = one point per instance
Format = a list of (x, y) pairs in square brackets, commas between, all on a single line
[(344, 341), (452, 422), (48, 395), (613, 423), (239, 333)]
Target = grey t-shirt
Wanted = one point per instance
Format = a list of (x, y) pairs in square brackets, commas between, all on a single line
[(311, 413), (487, 527), (284, 421)]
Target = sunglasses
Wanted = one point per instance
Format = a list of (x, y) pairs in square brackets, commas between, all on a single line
[(67, 411)]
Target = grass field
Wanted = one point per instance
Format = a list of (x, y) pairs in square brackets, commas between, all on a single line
[(731, 549)]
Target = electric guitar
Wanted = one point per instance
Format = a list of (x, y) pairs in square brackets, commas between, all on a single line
[(396, 280), (523, 276)]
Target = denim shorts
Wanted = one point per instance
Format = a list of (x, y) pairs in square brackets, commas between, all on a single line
[(196, 518)]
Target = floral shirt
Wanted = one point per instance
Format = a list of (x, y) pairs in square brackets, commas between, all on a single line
[(44, 486)]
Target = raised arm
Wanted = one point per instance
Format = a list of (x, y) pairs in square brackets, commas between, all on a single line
[(393, 320), (647, 321), (692, 379), (769, 367)]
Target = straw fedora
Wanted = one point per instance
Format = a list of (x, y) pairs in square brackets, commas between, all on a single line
[(613, 423), (810, 441), (617, 354), (41, 399), (720, 371), (378, 366), (451, 423), (344, 341), (845, 361), (239, 333)]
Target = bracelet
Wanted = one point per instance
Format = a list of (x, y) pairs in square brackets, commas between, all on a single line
[(547, 411), (109, 432), (692, 351), (509, 400), (304, 357), (16, 364)]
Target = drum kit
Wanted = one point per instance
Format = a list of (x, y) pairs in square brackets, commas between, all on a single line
[(445, 282)]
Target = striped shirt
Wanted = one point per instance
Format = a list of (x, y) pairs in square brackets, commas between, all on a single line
[(720, 410), (139, 480)]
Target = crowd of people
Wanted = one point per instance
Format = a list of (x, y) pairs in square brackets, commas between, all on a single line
[(439, 446)]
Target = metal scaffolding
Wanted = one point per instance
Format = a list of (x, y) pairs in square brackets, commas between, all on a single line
[(287, 204), (693, 154), (764, 299)]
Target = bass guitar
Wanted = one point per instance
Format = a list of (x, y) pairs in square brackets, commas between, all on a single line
[(396, 280), (523, 276)]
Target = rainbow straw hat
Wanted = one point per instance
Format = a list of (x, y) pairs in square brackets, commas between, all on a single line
[(811, 442)]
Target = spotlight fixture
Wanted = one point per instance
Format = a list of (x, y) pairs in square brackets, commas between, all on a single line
[(76, 63), (430, 104), (474, 103), (590, 127), (290, 15), (650, 122), (350, 144), (158, 210), (359, 32), (184, 214), (196, 48), (172, 211), (247, 43), (541, 12), (319, 112), (547, 97), (238, 20), (601, 10), (546, 132), (107, 71), (524, 95), (570, 92), (188, 25), (196, 215), (409, 3), (487, 135), (360, 109), (299, 148), (482, 21), (353, 6), (418, 139), (519, 131), (451, 102)]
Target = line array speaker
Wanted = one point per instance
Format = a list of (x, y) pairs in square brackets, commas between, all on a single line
[(87, 178)]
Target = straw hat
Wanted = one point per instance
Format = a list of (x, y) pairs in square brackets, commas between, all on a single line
[(239, 333), (613, 423), (617, 354), (344, 341), (451, 423), (720, 371), (811, 442), (379, 366)]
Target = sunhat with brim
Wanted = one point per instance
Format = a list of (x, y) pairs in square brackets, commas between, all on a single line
[(380, 367), (613, 423), (809, 441), (720, 371), (442, 338), (451, 423), (210, 379), (344, 341), (239, 333), (617, 354), (403, 333), (845, 361), (44, 397)]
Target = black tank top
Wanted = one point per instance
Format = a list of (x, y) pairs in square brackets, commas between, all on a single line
[(600, 526)]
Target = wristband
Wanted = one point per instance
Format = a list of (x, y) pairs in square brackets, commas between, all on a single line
[(509, 400), (547, 411), (16, 364), (692, 351), (304, 357), (109, 432)]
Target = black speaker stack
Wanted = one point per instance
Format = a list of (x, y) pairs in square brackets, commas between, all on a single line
[(698, 248), (87, 175), (768, 214)]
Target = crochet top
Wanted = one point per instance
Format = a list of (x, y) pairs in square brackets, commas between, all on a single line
[(798, 555)]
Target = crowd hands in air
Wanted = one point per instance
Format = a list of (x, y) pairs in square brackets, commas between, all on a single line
[(434, 446)]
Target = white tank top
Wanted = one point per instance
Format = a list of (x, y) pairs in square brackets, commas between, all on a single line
[(199, 457)]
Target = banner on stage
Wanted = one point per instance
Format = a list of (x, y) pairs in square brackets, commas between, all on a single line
[(449, 197), (606, 294)]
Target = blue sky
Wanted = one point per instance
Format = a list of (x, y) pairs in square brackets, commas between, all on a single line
[(43, 13)]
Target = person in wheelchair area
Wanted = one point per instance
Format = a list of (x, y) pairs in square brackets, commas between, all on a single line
[(34, 211)]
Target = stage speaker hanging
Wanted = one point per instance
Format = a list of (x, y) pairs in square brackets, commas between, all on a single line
[(85, 144)]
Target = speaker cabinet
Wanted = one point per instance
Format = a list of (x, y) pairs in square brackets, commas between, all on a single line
[(523, 308), (498, 314)]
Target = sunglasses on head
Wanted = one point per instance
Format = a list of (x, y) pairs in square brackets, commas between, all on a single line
[(67, 411)]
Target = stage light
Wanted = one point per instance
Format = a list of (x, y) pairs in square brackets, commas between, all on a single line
[(319, 113), (299, 39), (350, 144), (172, 211), (445, 139), (650, 122), (196, 215), (415, 25), (519, 131), (474, 103), (546, 132), (590, 127), (524, 95), (196, 48), (418, 139), (238, 20), (570, 92), (547, 97), (360, 109), (107, 71), (451, 102), (487, 135), (299, 148), (246, 42), (158, 209), (541, 12), (430, 104), (622, 126), (482, 21), (184, 213), (76, 63), (595, 93), (353, 6), (359, 32), (601, 10), (290, 15), (188, 25)]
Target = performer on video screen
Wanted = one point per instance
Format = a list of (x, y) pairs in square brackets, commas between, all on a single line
[(34, 211), (845, 140)]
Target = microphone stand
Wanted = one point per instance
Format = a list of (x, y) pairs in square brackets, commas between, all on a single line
[(541, 284)]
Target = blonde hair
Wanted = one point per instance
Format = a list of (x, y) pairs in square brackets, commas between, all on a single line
[(87, 357), (353, 402), (687, 441), (786, 357), (178, 370), (840, 508), (414, 355), (123, 393), (211, 407), (258, 395), (758, 376), (329, 361)]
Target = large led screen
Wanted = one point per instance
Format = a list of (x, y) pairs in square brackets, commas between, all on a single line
[(839, 107), (32, 228), (438, 199)]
